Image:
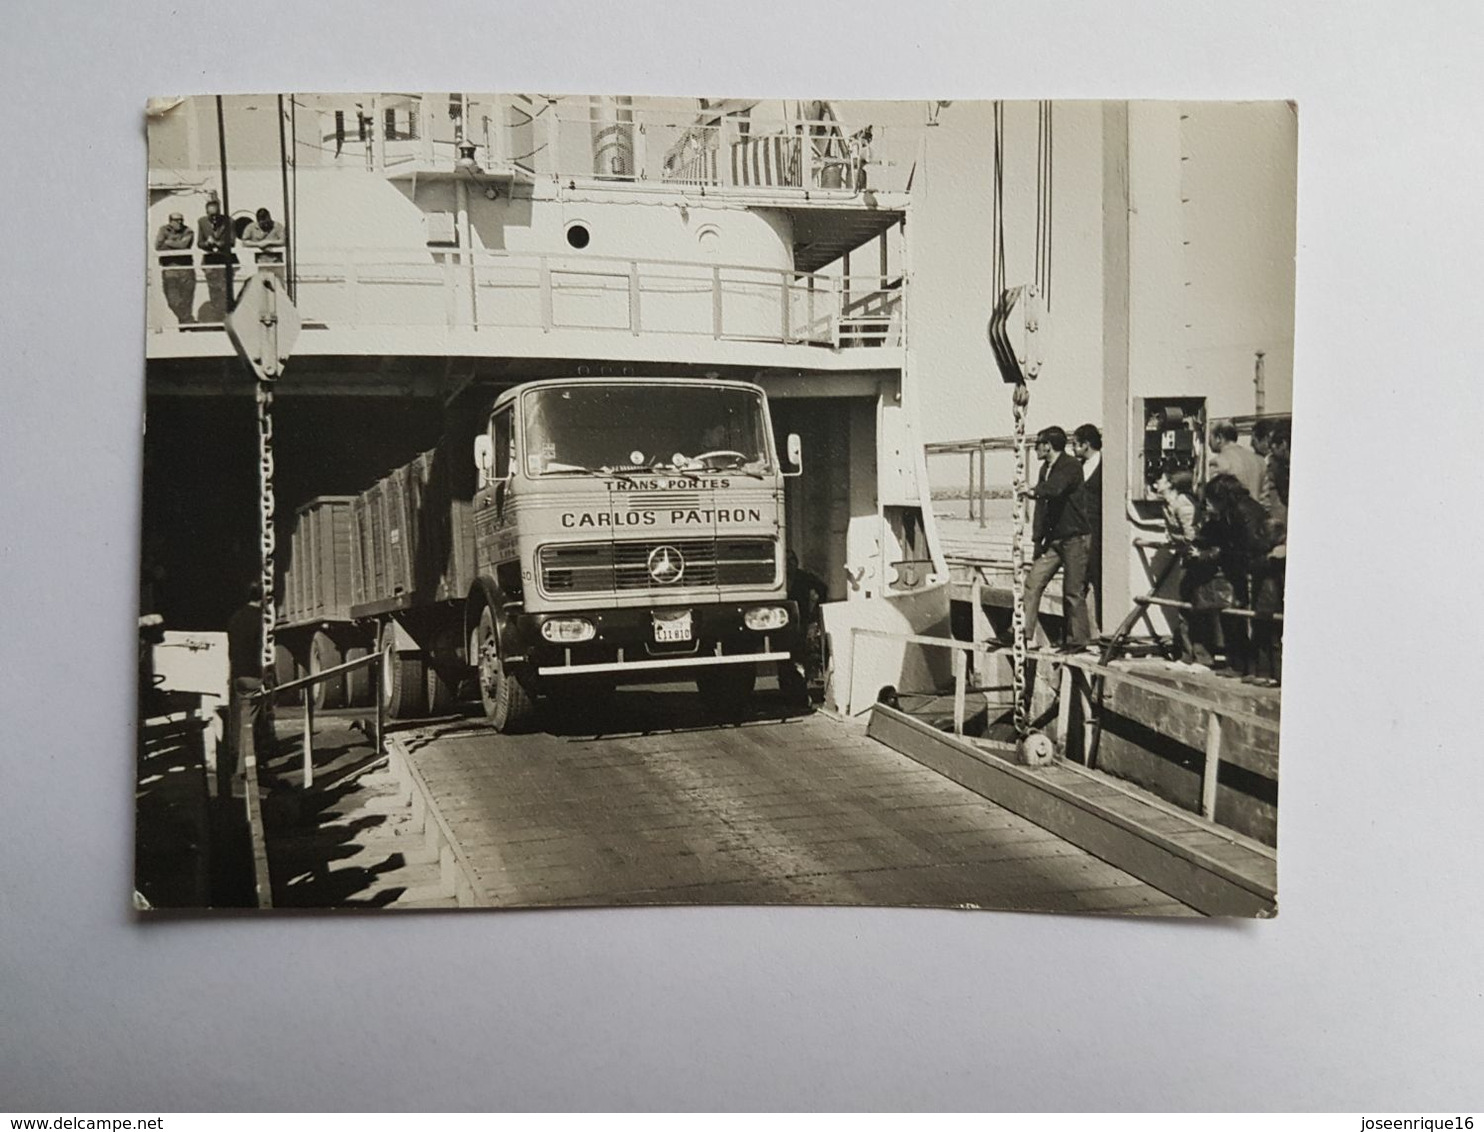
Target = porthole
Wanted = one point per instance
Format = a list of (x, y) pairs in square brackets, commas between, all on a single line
[(709, 238), (578, 235)]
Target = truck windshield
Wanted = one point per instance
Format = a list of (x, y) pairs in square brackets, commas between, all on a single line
[(589, 428)]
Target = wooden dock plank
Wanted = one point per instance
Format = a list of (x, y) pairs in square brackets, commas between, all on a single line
[(1213, 886)]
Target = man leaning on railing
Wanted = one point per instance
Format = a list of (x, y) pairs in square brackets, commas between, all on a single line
[(177, 272), (268, 236), (214, 239)]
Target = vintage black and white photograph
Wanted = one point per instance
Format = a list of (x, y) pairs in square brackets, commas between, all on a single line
[(578, 500)]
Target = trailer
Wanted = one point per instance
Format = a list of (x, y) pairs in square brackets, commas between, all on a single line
[(315, 630)]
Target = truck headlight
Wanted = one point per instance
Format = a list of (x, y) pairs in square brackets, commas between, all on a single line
[(763, 618), (568, 630)]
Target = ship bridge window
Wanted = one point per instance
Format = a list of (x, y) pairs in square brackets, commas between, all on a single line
[(578, 235)]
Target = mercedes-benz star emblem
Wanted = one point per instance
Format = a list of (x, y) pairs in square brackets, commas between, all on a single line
[(666, 565)]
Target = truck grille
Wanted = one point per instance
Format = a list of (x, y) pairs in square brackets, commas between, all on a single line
[(623, 566)]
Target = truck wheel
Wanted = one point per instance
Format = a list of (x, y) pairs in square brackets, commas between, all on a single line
[(325, 653), (441, 695), (358, 690), (284, 670), (403, 690), (507, 704), (725, 691)]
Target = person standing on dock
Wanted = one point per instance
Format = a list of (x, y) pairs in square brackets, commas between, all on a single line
[(1194, 629), (1228, 458), (1063, 539), (250, 723), (1239, 528), (1087, 446), (1270, 578)]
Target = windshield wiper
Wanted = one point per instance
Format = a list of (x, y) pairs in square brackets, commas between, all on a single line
[(675, 469), (574, 470), (740, 465), (699, 474)]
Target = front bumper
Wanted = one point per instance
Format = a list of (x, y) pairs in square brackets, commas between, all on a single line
[(625, 640)]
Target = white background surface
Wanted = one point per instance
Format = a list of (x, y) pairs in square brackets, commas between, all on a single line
[(1367, 993)]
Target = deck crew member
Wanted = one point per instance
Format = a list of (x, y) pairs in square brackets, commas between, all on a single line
[(264, 231), (1062, 539), (214, 238), (268, 236), (1087, 446), (177, 272), (808, 590)]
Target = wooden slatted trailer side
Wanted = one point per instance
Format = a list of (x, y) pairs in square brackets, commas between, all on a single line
[(414, 566), (315, 628)]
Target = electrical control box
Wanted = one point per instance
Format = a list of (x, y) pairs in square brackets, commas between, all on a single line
[(1169, 436)]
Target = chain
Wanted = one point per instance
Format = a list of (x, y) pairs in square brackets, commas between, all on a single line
[(1018, 565), (265, 516)]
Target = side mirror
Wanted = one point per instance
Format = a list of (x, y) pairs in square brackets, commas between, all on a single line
[(484, 458), (795, 455)]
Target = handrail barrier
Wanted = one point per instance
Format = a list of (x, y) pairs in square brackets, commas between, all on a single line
[(371, 660), (478, 290), (762, 152), (977, 492), (262, 880), (1089, 669)]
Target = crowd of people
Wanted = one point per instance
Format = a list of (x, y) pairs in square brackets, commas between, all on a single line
[(1232, 545), (1230, 539), (214, 237)]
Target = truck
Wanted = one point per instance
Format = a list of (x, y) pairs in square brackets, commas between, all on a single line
[(607, 531)]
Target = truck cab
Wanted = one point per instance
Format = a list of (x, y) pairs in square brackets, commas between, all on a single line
[(629, 530)]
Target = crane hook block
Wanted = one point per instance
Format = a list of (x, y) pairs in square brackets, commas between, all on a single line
[(1016, 330), (1036, 749)]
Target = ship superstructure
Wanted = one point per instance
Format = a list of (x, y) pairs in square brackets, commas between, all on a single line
[(442, 247)]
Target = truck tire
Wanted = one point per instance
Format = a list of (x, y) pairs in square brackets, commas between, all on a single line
[(726, 690), (325, 653), (284, 670), (403, 682), (441, 695), (358, 690), (507, 703)]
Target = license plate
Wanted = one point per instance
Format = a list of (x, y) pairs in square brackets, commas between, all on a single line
[(672, 627)]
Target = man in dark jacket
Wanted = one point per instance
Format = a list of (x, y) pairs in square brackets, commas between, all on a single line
[(177, 272), (1237, 526), (1063, 540), (250, 719), (214, 239), (1087, 446)]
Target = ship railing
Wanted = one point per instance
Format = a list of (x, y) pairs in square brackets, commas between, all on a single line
[(455, 288), (763, 152), (990, 460)]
